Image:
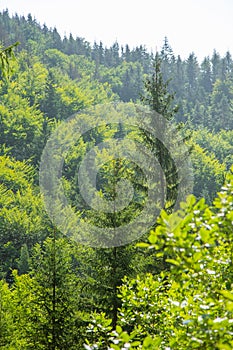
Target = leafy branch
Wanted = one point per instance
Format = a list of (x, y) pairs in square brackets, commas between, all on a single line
[(5, 55)]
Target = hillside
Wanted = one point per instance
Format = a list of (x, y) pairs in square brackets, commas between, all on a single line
[(104, 283)]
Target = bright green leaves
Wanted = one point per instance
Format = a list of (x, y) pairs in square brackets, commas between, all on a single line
[(6, 317), (208, 173), (22, 218), (197, 243), (142, 305), (183, 235), (6, 54), (119, 339), (21, 127)]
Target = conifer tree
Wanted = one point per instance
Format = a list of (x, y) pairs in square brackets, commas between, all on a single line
[(55, 295), (117, 261), (161, 103)]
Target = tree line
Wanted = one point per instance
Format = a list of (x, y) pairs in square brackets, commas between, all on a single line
[(203, 89)]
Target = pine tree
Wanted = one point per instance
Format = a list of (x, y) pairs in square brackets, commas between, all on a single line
[(55, 296), (112, 264), (192, 71), (161, 101), (157, 95), (216, 66), (167, 52), (167, 60), (206, 75)]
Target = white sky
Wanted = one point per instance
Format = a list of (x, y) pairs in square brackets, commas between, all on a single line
[(190, 25)]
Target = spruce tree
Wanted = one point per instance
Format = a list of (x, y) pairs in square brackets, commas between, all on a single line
[(56, 295), (112, 264), (161, 102)]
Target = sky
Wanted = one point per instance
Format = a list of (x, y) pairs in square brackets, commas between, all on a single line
[(198, 26)]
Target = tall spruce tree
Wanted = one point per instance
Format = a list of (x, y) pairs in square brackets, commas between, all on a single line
[(112, 264), (161, 102), (56, 296)]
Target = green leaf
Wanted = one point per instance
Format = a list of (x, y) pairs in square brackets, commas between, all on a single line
[(136, 343), (118, 329), (172, 261), (224, 346), (147, 341), (204, 235), (226, 294), (152, 238), (142, 245)]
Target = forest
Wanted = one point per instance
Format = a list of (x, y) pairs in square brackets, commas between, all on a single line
[(169, 288)]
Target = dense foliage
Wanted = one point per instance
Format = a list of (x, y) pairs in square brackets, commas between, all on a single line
[(173, 288)]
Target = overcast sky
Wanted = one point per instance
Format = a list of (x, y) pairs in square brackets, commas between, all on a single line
[(190, 25)]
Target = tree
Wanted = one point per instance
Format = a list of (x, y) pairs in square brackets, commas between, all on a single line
[(192, 73), (220, 105), (167, 60), (21, 127), (208, 173), (221, 143), (206, 75), (111, 264), (131, 77), (160, 101), (167, 52), (22, 219), (216, 66), (55, 324)]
